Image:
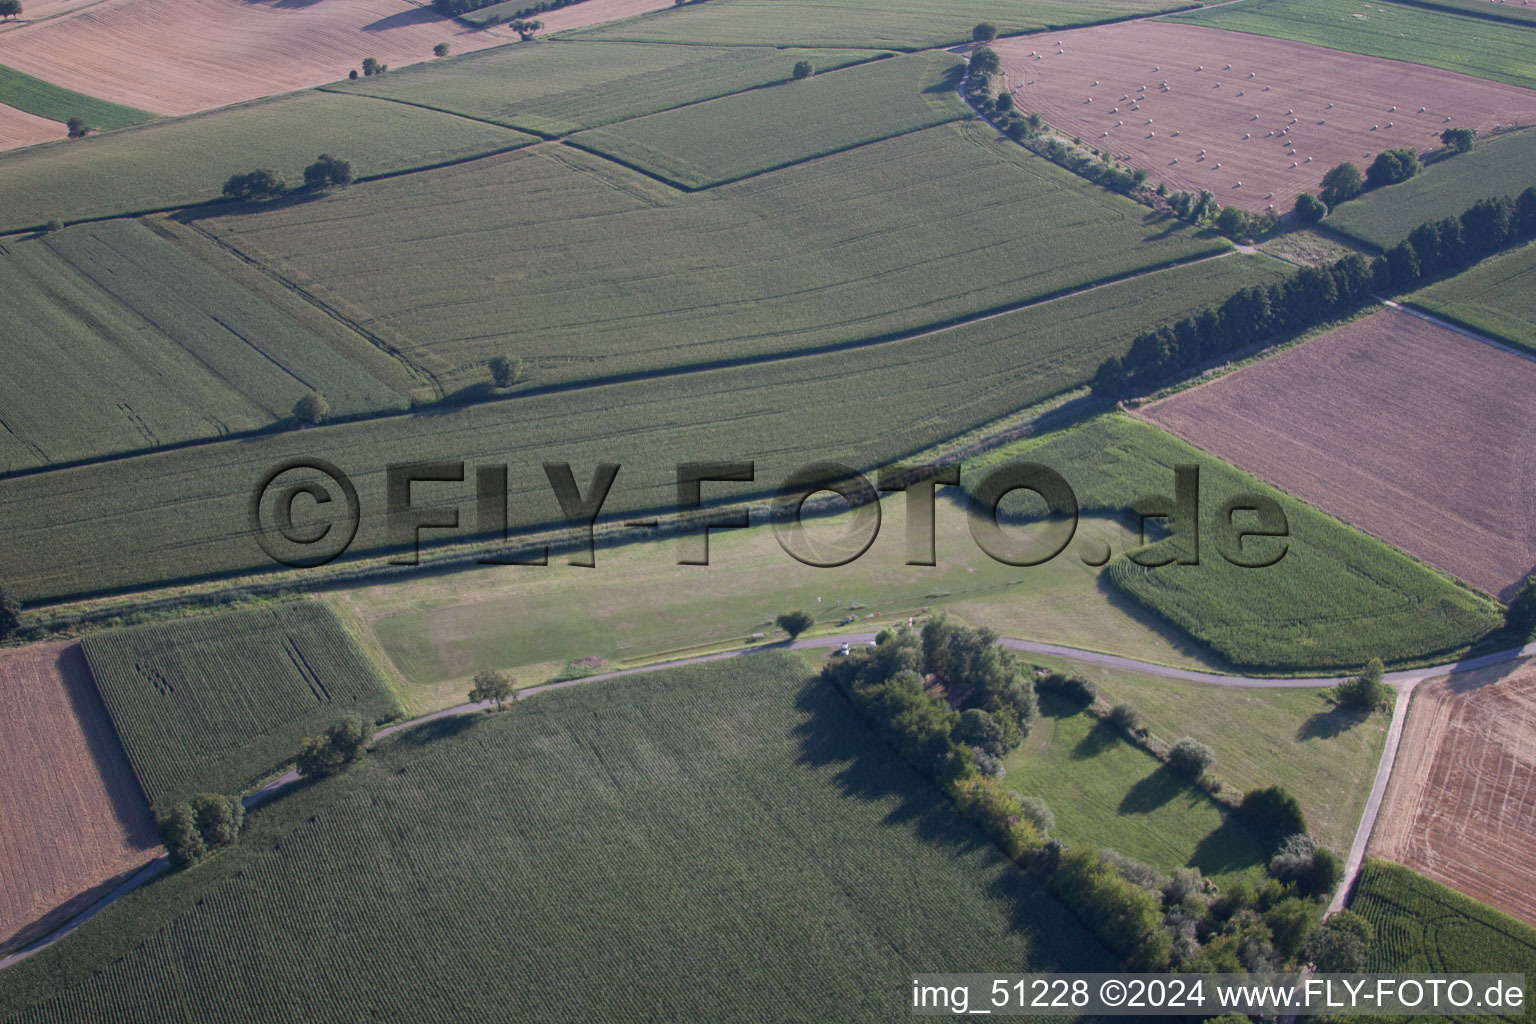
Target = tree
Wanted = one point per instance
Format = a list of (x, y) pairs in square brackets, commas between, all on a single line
[(370, 66), (1035, 809), (985, 62), (1525, 214), (1519, 617), (1125, 716), (254, 185), (1365, 690), (327, 172), (440, 50), (526, 29), (1290, 922), (1459, 140), (984, 33), (1310, 209), (10, 614), (342, 743), (312, 409), (1005, 102), (506, 370), (794, 623), (1403, 265), (1392, 166), (352, 75), (1342, 183), (10, 8), (491, 685), (1191, 757), (218, 817), (1487, 226), (178, 830), (1272, 813), (1342, 945), (802, 70), (75, 126)]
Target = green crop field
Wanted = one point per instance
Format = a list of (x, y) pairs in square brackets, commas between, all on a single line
[(1337, 598), (1497, 297), (1326, 756), (173, 514), (1106, 792), (1503, 166), (1509, 10), (187, 159), (168, 349), (1497, 51), (45, 99), (721, 840), (893, 24), (585, 269), (751, 132), (213, 703), (558, 88), (1423, 927)]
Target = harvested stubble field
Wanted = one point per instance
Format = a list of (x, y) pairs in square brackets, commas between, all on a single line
[(213, 703), (75, 817), (586, 270), (1472, 46), (559, 88), (47, 100), (1461, 807), (169, 350), (184, 513), (1501, 166), (738, 136), (1496, 297), (180, 56), (735, 820), (1255, 120), (187, 160), (893, 24), (19, 128), (1453, 488), (1335, 600)]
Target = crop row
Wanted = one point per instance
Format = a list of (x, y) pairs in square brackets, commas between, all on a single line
[(1497, 297)]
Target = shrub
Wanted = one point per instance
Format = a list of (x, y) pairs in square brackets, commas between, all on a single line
[(254, 185), (1272, 814), (352, 75), (987, 763), (327, 172), (1310, 209), (984, 33), (1125, 716), (183, 842), (1126, 918), (981, 730), (312, 409), (1035, 809), (1293, 861), (1342, 945), (54, 224), (802, 70), (341, 744), (1392, 166), (1459, 140), (1191, 757), (77, 128), (1365, 690), (1520, 616), (440, 50), (506, 371), (1074, 688), (794, 623)]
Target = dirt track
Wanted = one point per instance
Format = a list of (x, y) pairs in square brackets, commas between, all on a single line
[(1254, 105), (1415, 433), (1462, 804), (74, 815)]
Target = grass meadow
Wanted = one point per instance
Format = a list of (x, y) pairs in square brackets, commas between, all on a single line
[(216, 702), (1496, 297), (1485, 49), (714, 837)]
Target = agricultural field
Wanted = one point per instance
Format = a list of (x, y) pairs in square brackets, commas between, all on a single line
[(1257, 121), (1296, 737), (214, 703), (181, 525), (1423, 927), (1501, 166), (751, 132), (44, 99), (75, 818), (559, 88), (1496, 51), (616, 273), (565, 19), (181, 56), (889, 24), (1106, 792), (1336, 599), (641, 839), (1448, 488), (19, 128), (1520, 11), (1459, 806), (187, 160), (1496, 297), (88, 313)]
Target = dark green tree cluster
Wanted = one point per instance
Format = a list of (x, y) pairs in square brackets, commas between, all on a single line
[(1313, 869), (10, 8), (342, 743), (454, 8), (1074, 688), (193, 829), (1392, 167), (1366, 690), (1314, 295), (254, 185), (886, 684), (802, 70), (1519, 617), (1459, 140), (327, 172), (1310, 209), (10, 614), (984, 33), (76, 127), (1272, 814), (1341, 184), (971, 665)]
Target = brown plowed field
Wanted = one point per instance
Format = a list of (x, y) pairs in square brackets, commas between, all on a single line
[(1234, 96), (74, 816), (19, 128), (178, 56), (1412, 432), (1461, 806)]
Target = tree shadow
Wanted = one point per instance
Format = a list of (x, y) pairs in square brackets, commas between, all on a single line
[(443, 728), (1154, 791), (130, 807), (950, 82), (1232, 847), (1325, 725), (241, 207), (414, 16), (1100, 738)]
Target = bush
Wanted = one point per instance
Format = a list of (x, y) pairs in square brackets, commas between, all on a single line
[(54, 224), (1126, 918), (1365, 690), (982, 731), (1459, 140), (506, 371), (1342, 945), (341, 744), (1039, 815), (1191, 757), (1125, 716), (327, 172), (352, 75), (440, 50), (77, 128), (1272, 814), (1074, 688), (987, 763), (312, 409), (802, 70), (1392, 166), (1310, 209), (254, 185), (984, 33)]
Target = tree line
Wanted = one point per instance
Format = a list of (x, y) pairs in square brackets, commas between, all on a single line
[(1314, 295), (253, 186)]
